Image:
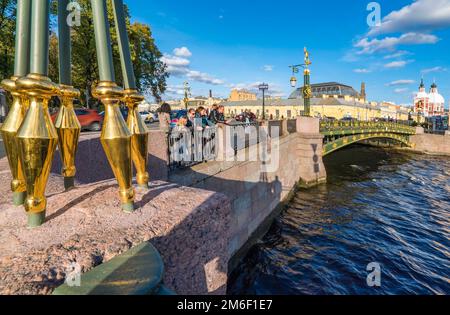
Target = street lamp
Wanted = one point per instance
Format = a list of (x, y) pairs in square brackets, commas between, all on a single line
[(187, 93), (263, 87), (306, 86)]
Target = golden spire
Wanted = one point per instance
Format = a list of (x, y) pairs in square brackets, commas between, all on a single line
[(307, 61)]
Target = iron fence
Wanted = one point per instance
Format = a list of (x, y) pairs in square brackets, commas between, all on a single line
[(191, 146)]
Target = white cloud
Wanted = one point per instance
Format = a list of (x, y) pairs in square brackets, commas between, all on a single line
[(182, 52), (397, 64), (203, 77), (275, 89), (419, 16), (179, 65), (362, 70), (398, 54), (370, 46), (434, 69), (400, 82), (175, 90), (401, 90), (268, 68)]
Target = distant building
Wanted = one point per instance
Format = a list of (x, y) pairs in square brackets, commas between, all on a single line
[(429, 104), (330, 89), (242, 95)]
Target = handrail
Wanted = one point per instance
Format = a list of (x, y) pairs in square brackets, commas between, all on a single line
[(351, 126)]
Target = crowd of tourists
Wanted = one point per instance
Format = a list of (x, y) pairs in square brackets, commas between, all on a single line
[(199, 118)]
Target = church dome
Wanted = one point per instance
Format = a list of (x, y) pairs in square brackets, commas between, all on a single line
[(436, 98), (422, 94)]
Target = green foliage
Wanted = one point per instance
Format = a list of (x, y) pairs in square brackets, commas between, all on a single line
[(150, 72), (7, 33)]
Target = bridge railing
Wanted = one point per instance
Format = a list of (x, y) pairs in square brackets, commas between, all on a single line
[(350, 127)]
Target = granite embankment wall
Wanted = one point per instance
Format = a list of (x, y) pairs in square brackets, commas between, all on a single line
[(431, 144)]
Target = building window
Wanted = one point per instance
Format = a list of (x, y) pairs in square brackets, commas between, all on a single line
[(289, 113)]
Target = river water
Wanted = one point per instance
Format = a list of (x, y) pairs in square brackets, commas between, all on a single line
[(379, 206)]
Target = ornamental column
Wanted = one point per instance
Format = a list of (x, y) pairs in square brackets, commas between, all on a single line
[(115, 136), (17, 112), (67, 124), (132, 98), (37, 137)]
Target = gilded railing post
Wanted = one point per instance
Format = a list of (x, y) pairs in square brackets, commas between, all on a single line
[(37, 136), (17, 112), (115, 136), (67, 124), (68, 128), (138, 129), (139, 137)]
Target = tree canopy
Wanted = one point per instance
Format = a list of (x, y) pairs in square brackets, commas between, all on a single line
[(149, 70)]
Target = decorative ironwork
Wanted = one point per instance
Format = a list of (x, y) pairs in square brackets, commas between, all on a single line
[(188, 147), (339, 134)]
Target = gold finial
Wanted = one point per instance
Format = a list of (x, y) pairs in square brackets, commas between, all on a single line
[(307, 61)]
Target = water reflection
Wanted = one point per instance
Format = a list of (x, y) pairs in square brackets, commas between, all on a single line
[(379, 206)]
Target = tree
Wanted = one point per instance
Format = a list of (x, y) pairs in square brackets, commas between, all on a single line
[(7, 34), (150, 71)]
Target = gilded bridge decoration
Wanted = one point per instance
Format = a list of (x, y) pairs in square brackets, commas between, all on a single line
[(340, 134), (29, 134)]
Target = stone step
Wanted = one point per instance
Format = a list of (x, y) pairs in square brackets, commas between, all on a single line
[(138, 271)]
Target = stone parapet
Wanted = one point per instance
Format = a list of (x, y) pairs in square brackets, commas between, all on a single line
[(85, 227)]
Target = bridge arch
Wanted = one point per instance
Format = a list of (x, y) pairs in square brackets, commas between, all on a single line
[(345, 141)]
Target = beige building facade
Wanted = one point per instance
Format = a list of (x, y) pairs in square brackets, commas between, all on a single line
[(241, 95), (326, 106)]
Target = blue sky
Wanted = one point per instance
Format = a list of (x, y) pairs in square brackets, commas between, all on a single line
[(219, 45)]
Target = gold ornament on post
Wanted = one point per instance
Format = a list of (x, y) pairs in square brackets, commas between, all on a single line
[(115, 136), (20, 102), (67, 124), (37, 139), (139, 136), (9, 134), (68, 128), (116, 141)]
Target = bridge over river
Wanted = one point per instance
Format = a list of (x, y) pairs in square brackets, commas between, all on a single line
[(341, 134)]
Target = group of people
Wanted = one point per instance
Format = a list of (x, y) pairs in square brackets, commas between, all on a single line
[(194, 118)]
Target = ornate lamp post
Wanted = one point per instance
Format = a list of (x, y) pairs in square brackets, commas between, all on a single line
[(138, 129), (37, 137), (115, 136), (263, 87), (20, 102), (67, 124), (307, 85), (187, 93)]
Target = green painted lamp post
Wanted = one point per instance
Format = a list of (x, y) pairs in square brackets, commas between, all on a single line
[(37, 137), (307, 94), (67, 124), (64, 45), (115, 136), (263, 87), (20, 101), (187, 92), (132, 98), (22, 49)]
